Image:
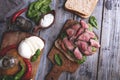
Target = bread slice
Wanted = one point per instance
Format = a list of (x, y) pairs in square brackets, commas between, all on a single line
[(68, 23), (83, 8), (61, 50)]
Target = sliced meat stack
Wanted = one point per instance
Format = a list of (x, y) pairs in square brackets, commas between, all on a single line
[(79, 40)]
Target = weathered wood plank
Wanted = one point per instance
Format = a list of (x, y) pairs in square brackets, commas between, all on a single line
[(109, 61), (50, 35), (88, 70)]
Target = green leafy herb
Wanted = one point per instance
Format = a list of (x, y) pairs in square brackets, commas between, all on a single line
[(93, 21), (81, 61), (58, 59), (37, 8), (95, 38), (94, 49), (63, 35), (90, 27), (35, 56), (45, 9)]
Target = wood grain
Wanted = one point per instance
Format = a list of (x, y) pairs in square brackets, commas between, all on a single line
[(109, 61), (88, 70), (56, 70), (50, 35)]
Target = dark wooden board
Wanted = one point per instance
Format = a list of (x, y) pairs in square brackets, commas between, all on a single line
[(15, 37)]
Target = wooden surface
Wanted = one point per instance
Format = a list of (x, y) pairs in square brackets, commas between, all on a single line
[(56, 70), (105, 64), (18, 37)]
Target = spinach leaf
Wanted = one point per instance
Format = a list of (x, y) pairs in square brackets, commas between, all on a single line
[(81, 61), (93, 21), (37, 8), (45, 9), (47, 2), (58, 59), (94, 49), (63, 35), (90, 27)]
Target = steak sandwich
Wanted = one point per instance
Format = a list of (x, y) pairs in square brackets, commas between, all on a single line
[(77, 40)]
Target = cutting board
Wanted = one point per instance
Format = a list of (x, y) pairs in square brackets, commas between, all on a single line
[(16, 37), (67, 65), (56, 70)]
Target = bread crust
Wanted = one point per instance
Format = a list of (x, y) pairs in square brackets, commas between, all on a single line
[(84, 13)]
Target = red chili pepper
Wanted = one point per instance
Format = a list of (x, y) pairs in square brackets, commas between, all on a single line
[(6, 49), (28, 73), (18, 13)]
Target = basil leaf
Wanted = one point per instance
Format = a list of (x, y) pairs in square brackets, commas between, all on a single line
[(81, 61), (93, 21), (36, 55), (95, 38), (94, 49), (44, 9), (37, 8), (47, 2), (58, 59), (63, 35), (38, 5), (90, 27)]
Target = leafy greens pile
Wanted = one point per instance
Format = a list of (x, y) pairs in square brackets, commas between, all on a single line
[(38, 8)]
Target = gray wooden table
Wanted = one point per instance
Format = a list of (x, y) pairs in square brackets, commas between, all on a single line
[(105, 64)]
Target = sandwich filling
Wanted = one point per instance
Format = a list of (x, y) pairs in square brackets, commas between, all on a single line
[(78, 41)]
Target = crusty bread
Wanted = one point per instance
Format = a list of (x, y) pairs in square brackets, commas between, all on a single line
[(61, 50), (83, 8)]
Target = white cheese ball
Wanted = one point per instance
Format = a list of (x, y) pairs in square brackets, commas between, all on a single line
[(29, 46)]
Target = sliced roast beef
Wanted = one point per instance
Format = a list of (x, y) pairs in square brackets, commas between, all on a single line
[(68, 44), (82, 45), (94, 43), (70, 32), (91, 34), (77, 53), (76, 27), (88, 51), (80, 31), (84, 37), (84, 24)]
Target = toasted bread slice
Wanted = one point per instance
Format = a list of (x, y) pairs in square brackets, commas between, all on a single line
[(61, 50), (83, 8), (68, 23)]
